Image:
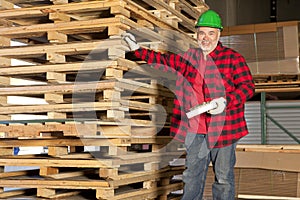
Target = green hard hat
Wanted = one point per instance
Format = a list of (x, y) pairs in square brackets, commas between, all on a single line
[(209, 19)]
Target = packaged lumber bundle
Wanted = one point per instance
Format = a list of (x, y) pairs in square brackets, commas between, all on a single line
[(270, 49)]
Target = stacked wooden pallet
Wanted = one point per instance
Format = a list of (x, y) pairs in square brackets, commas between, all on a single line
[(101, 117)]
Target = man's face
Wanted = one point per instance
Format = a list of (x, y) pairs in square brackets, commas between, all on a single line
[(208, 38)]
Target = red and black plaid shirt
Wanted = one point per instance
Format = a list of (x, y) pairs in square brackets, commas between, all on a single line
[(224, 73)]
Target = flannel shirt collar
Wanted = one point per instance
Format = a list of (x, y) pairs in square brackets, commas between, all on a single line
[(214, 54)]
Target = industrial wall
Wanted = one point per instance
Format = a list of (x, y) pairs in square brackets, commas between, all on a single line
[(287, 114), (239, 12)]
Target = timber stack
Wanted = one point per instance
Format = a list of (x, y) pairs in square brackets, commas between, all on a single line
[(70, 86)]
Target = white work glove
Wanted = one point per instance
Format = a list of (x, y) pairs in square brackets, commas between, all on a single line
[(220, 106), (131, 41)]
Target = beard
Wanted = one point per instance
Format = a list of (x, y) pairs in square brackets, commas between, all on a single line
[(207, 46)]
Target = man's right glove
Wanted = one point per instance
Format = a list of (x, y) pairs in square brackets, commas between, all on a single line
[(220, 106), (131, 41)]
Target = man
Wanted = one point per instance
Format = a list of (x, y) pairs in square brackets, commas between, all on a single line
[(211, 72)]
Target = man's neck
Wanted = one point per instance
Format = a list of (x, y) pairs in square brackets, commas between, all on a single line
[(205, 54)]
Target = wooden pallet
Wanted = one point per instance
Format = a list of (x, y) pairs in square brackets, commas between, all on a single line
[(79, 28), (66, 43), (64, 146), (181, 14), (277, 83), (66, 162), (104, 100), (172, 12), (276, 78), (137, 185), (67, 170), (127, 128), (79, 21)]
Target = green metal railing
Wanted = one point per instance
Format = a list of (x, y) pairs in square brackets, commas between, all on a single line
[(264, 116)]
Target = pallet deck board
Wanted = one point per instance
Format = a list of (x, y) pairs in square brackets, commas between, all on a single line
[(70, 8), (96, 141), (103, 161), (64, 49), (73, 27)]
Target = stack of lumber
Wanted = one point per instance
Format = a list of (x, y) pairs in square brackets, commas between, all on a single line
[(101, 117), (271, 49)]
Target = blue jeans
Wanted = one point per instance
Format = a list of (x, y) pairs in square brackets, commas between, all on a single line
[(197, 161)]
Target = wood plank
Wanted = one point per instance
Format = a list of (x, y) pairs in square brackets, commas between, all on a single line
[(198, 3), (60, 88), (8, 194), (73, 27), (149, 192), (55, 184), (66, 175), (191, 10), (105, 163), (141, 13), (64, 195), (64, 49), (89, 106), (186, 22), (269, 148), (142, 68), (70, 8), (30, 3), (64, 67), (260, 197), (17, 173), (283, 89), (136, 177), (6, 5)]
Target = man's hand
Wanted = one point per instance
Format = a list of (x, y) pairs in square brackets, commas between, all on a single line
[(131, 41), (221, 105)]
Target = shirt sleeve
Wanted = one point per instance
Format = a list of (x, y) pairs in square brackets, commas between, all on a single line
[(243, 81), (165, 62)]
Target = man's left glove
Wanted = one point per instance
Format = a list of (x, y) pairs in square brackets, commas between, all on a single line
[(131, 41), (220, 106)]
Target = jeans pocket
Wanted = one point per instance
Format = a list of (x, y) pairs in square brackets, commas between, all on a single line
[(193, 138), (190, 137)]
